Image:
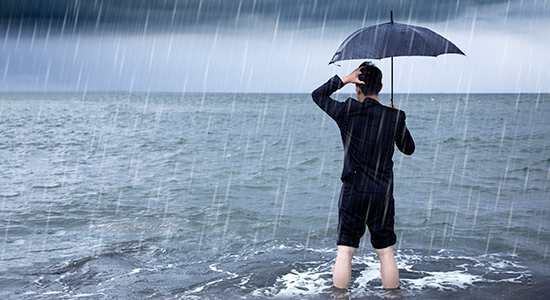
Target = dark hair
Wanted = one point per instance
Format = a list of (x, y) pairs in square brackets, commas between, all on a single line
[(372, 77)]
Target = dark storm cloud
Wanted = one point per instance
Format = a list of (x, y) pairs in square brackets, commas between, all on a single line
[(138, 16)]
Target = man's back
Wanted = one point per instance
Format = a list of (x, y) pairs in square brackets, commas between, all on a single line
[(369, 131)]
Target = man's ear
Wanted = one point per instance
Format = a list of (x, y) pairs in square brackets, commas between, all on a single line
[(381, 86), (358, 90)]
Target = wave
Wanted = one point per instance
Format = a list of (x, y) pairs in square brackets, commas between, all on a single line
[(419, 274)]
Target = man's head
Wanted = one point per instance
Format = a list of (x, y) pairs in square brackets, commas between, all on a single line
[(372, 77)]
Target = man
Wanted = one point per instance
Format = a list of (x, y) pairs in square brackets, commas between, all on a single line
[(369, 131)]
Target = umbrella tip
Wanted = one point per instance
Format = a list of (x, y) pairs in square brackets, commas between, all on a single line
[(391, 16)]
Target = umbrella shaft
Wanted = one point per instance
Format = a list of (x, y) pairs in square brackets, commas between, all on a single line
[(392, 80)]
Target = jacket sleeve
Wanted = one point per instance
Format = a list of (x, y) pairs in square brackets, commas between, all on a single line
[(403, 138), (321, 96)]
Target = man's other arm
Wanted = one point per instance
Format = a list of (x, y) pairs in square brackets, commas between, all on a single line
[(403, 138)]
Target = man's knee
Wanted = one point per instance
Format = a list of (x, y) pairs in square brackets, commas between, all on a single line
[(346, 251), (385, 251)]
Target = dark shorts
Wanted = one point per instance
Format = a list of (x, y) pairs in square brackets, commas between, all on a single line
[(358, 210)]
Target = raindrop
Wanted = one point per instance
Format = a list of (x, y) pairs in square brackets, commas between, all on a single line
[(198, 12), (77, 47), (445, 231), (102, 157), (192, 169), (218, 210), (19, 34), (278, 192), (238, 12), (469, 199), (97, 247), (77, 11), (118, 203), (166, 210), (435, 157), (465, 160), (275, 30), (322, 165), (526, 180), (146, 24), (174, 13), (140, 240), (477, 209), (33, 34), (515, 247), (284, 116), (228, 186), (48, 73), (280, 215), (144, 106), (451, 175), (473, 28), (99, 15), (226, 223), (158, 116), (511, 213), (465, 128), (502, 182), (169, 51), (225, 146), (8, 58), (488, 239), (503, 134), (307, 240), (431, 241), (136, 174), (429, 210), (456, 216), (262, 153), (5, 236), (255, 239), (152, 56), (47, 226)]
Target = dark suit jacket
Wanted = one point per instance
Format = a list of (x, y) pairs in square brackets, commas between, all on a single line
[(369, 131)]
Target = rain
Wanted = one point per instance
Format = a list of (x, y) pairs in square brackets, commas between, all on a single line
[(171, 149)]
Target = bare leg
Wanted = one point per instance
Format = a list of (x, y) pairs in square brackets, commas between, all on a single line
[(341, 276), (388, 267)]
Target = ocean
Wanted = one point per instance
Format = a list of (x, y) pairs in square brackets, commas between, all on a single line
[(235, 196)]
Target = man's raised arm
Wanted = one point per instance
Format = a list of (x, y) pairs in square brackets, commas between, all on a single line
[(322, 94)]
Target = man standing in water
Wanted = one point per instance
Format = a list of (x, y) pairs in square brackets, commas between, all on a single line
[(369, 131)]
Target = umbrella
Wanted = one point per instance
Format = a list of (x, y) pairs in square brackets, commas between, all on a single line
[(391, 40)]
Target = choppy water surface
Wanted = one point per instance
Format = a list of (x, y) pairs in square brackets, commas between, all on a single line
[(114, 196)]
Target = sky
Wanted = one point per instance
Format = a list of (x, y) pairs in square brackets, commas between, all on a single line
[(257, 46)]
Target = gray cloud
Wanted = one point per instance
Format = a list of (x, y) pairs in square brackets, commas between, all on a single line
[(39, 17)]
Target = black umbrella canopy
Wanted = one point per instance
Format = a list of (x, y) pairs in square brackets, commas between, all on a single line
[(391, 40)]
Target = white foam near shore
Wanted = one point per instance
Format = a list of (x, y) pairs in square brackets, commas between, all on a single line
[(418, 273)]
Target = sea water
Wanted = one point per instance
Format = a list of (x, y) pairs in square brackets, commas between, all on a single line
[(225, 196)]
